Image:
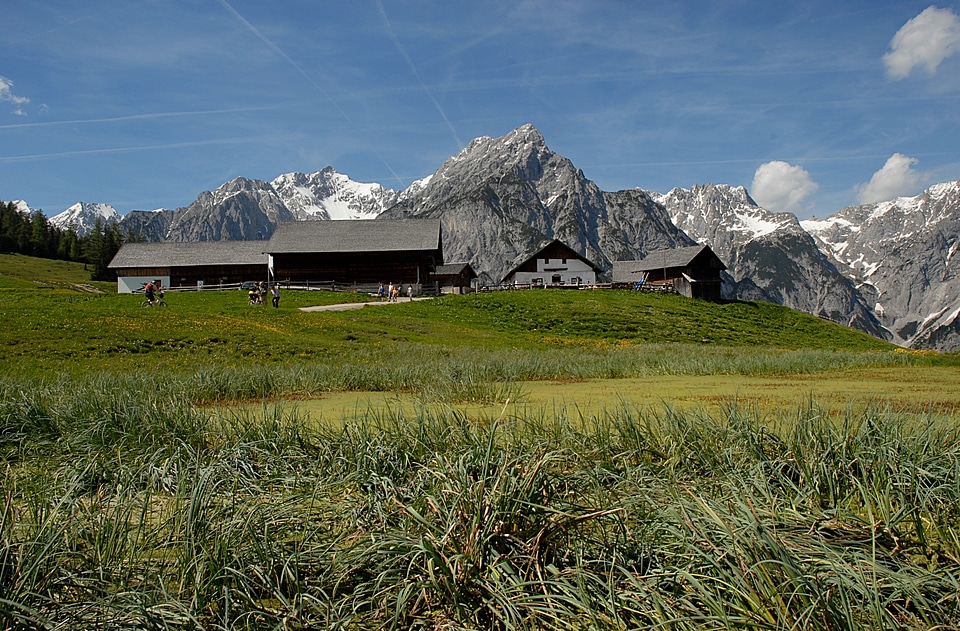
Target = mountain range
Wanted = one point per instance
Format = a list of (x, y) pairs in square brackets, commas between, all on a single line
[(888, 269)]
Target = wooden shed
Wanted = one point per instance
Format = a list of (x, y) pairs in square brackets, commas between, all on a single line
[(691, 271), (189, 264), (454, 278), (356, 252), (552, 265)]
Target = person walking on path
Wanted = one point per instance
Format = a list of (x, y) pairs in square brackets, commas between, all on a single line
[(410, 292)]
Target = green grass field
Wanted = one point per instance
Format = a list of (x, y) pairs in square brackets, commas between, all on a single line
[(516, 460)]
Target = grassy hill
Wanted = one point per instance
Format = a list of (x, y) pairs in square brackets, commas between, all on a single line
[(53, 322), (19, 272)]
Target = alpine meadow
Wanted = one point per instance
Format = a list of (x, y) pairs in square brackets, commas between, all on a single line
[(538, 459), (406, 315)]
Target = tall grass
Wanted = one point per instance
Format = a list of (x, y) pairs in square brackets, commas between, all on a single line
[(126, 506), (447, 374)]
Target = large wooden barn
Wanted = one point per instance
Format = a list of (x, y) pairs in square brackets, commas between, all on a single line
[(199, 263), (356, 252), (691, 271), (552, 265)]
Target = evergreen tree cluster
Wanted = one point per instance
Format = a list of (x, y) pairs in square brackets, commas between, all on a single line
[(32, 234)]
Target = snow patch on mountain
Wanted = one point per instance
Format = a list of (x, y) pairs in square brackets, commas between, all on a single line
[(327, 194), (756, 225)]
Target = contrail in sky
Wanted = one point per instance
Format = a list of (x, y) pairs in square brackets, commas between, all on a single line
[(90, 152), (406, 57), (263, 38), (117, 119), (306, 76)]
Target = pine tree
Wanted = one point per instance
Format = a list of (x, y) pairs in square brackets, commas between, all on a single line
[(101, 245), (40, 236), (13, 224)]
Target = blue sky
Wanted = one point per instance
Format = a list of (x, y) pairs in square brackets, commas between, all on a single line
[(144, 104)]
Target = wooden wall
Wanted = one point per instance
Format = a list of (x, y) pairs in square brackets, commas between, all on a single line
[(215, 274), (363, 267)]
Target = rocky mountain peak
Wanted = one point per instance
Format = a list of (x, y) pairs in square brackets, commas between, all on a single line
[(902, 252), (724, 216), (83, 217), (501, 196), (722, 194), (522, 153), (239, 184), (525, 138)]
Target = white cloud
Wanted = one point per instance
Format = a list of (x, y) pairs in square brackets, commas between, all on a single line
[(781, 186), (896, 179), (925, 40), (7, 95)]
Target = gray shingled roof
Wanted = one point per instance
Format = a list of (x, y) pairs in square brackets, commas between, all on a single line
[(626, 271), (676, 257), (358, 235), (450, 269), (190, 254)]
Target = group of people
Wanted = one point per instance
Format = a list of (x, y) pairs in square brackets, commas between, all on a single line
[(392, 292), (258, 292)]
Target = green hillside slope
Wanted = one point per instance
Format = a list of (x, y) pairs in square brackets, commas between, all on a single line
[(52, 322)]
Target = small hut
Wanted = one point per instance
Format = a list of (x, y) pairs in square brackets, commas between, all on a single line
[(691, 271), (454, 278)]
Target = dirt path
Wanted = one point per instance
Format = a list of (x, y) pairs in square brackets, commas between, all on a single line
[(360, 305)]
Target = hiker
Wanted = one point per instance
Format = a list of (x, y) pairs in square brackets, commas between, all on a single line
[(410, 292), (275, 292), (380, 293)]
